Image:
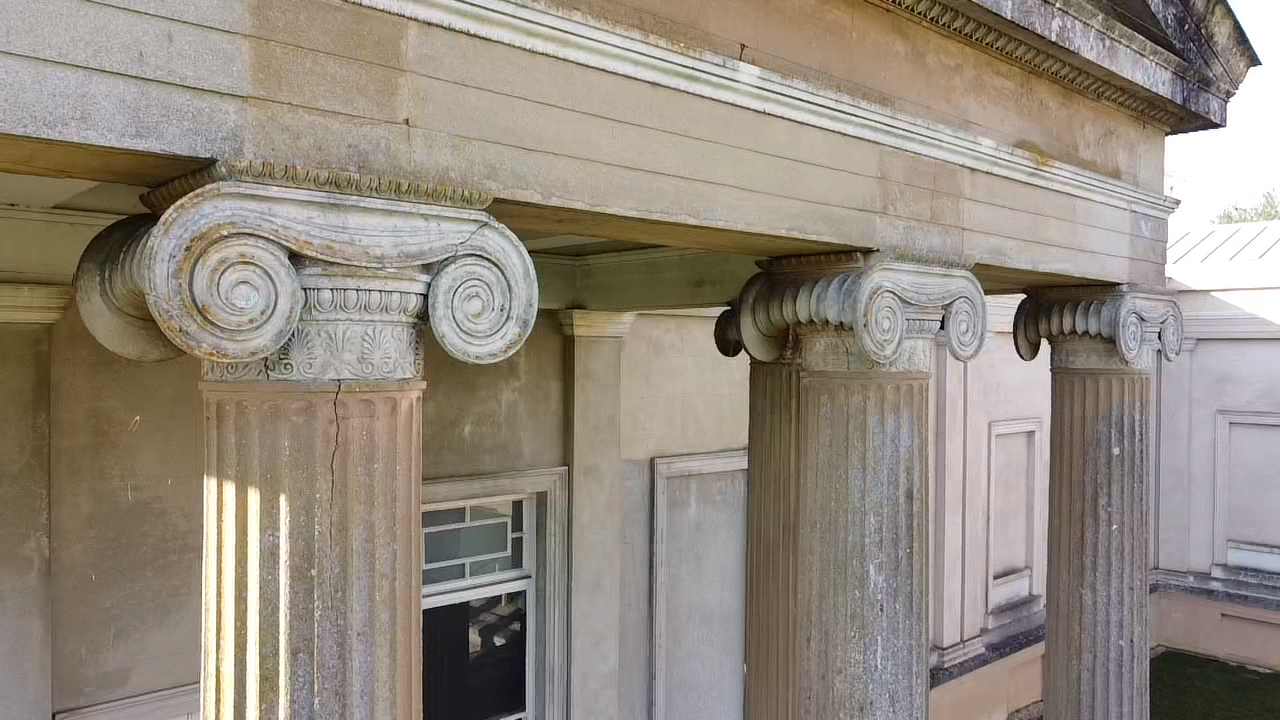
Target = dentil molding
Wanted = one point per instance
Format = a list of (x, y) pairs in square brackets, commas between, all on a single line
[(880, 301), (1137, 323), (289, 283)]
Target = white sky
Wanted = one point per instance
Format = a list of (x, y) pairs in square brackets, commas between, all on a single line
[(1210, 170)]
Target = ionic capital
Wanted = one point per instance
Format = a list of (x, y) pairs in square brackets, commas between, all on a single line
[(294, 283), (1099, 327), (878, 303)]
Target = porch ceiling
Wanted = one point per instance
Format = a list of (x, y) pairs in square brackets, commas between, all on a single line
[(583, 259)]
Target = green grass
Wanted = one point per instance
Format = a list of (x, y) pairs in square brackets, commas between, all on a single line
[(1186, 687)]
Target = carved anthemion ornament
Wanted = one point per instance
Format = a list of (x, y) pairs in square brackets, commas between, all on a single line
[(1138, 323), (883, 302), (289, 283)]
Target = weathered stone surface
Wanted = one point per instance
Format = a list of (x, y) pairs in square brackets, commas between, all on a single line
[(25, 594), (836, 580), (838, 463), (1104, 342), (884, 302), (312, 550), (315, 285), (1098, 636), (126, 472), (311, 585), (1135, 323)]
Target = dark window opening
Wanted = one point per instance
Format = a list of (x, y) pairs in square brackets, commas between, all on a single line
[(473, 659)]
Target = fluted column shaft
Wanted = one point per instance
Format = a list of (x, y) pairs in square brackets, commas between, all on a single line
[(1098, 632), (842, 350), (836, 587), (312, 550), (1104, 343)]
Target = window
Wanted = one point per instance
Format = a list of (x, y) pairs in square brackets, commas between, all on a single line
[(476, 579), (492, 597)]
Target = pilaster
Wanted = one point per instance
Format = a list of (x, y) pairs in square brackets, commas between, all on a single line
[(594, 384), (1104, 343), (838, 460), (304, 294)]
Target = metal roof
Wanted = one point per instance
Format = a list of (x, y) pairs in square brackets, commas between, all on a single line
[(1242, 255)]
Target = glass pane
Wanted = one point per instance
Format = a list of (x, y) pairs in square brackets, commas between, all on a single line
[(491, 510), (517, 552), (473, 659), (443, 574), (488, 567), (517, 516), (459, 543), (436, 518)]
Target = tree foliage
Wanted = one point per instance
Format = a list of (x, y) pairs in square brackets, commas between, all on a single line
[(1268, 208)]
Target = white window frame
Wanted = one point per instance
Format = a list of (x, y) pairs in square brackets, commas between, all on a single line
[(544, 580), (438, 594)]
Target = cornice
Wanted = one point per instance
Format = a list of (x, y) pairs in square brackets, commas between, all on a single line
[(267, 172), (1228, 326), (652, 59), (1087, 51), (955, 22), (39, 304)]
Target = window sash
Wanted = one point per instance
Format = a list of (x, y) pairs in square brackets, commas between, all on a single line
[(528, 534), (500, 583)]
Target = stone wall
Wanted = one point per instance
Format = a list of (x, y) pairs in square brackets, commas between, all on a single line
[(679, 396), (493, 418), (24, 522), (126, 491), (1216, 539), (127, 469), (1220, 426)]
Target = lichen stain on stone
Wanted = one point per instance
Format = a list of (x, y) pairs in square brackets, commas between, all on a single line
[(1042, 158)]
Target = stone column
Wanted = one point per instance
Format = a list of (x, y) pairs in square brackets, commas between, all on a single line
[(1104, 342), (594, 450), (312, 550), (842, 352), (306, 306)]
